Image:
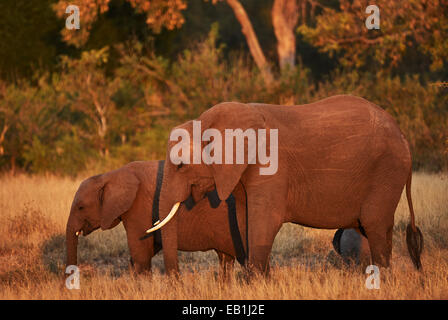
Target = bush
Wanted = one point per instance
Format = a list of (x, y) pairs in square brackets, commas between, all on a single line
[(68, 155), (419, 109), (82, 119)]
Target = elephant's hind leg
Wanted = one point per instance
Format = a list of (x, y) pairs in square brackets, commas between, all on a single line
[(380, 243), (377, 219)]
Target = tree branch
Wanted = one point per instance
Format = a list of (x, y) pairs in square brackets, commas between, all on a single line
[(251, 38)]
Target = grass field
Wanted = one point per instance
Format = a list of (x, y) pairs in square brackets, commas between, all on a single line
[(34, 210)]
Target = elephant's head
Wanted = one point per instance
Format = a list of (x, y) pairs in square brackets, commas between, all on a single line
[(99, 202), (190, 169)]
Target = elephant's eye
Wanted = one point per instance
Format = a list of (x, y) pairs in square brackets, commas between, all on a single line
[(80, 208)]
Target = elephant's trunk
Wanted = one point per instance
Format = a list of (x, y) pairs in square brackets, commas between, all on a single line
[(173, 190), (72, 245)]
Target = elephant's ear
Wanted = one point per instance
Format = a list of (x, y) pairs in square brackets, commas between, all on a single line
[(226, 178), (231, 115), (117, 195)]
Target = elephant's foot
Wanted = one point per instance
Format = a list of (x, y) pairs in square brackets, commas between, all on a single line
[(139, 268)]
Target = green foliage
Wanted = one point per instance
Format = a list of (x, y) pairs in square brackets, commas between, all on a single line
[(67, 155), (418, 27), (422, 114), (207, 79), (420, 109), (88, 116), (30, 38)]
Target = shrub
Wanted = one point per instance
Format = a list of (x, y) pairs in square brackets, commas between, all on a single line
[(82, 119)]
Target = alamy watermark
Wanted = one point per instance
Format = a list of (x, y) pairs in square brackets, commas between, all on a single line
[(373, 280), (373, 20), (72, 281), (213, 151), (72, 21)]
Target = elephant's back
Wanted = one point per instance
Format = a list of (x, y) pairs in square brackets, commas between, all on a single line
[(329, 150), (332, 122), (339, 110)]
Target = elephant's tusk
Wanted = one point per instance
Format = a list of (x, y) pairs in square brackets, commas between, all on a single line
[(77, 233), (159, 224)]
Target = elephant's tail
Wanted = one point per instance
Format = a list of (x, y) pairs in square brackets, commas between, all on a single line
[(414, 237)]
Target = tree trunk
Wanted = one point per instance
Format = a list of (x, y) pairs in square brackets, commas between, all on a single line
[(13, 165), (285, 14), (104, 150), (251, 39), (101, 121), (2, 138)]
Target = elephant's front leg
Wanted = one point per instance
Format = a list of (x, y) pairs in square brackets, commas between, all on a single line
[(266, 207), (226, 263), (139, 267), (141, 253)]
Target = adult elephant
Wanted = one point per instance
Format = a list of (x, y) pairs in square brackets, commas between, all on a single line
[(342, 163), (128, 194)]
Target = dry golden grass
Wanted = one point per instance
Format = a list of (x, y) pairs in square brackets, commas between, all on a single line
[(34, 210)]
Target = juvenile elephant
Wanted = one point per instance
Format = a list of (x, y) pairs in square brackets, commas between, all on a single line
[(127, 195), (342, 163), (352, 246)]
